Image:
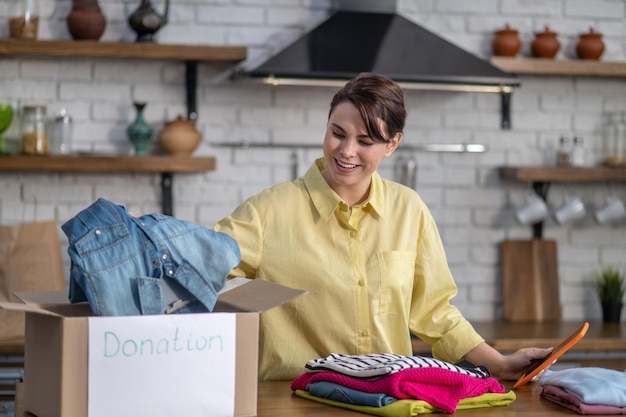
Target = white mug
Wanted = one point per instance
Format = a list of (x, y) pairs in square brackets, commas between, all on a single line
[(612, 210), (534, 211), (572, 209)]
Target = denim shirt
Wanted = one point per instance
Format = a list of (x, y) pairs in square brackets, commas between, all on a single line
[(153, 264)]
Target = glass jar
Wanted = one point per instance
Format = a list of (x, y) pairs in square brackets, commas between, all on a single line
[(24, 19), (34, 136), (614, 140)]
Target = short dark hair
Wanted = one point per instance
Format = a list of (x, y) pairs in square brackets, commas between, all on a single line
[(375, 96)]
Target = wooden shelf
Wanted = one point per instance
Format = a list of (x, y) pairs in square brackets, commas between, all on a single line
[(542, 66), (87, 163), (119, 50), (563, 174)]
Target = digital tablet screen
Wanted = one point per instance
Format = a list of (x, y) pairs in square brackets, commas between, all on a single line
[(540, 365)]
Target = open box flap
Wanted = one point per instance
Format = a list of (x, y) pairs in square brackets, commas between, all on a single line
[(26, 308), (238, 295), (253, 295)]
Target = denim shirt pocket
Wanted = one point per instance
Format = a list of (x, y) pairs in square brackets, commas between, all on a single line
[(101, 238), (396, 270)]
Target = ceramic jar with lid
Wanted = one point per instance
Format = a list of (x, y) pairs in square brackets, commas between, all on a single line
[(506, 42), (545, 44), (34, 134), (590, 45), (179, 137)]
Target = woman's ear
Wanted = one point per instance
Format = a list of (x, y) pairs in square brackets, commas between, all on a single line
[(393, 144)]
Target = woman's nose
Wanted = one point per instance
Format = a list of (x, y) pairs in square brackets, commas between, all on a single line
[(348, 147)]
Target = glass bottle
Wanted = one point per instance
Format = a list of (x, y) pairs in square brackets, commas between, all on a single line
[(614, 140), (24, 19), (577, 157), (564, 152), (34, 136), (61, 135)]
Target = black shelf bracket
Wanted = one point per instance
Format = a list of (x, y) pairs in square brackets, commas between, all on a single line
[(191, 84), (541, 188), (167, 178), (505, 109)]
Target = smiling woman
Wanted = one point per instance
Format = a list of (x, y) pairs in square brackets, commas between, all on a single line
[(366, 249)]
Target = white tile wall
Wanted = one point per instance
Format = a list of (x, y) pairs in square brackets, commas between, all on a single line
[(474, 208)]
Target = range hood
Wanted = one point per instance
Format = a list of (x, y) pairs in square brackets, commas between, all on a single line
[(365, 39)]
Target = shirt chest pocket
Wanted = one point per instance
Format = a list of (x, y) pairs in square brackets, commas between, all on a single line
[(394, 272)]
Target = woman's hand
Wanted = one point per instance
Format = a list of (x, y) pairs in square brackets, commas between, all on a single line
[(505, 367), (513, 365)]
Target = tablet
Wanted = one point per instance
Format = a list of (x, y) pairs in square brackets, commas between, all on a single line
[(538, 366)]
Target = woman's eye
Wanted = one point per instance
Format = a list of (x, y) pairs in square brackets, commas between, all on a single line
[(338, 134), (365, 143)]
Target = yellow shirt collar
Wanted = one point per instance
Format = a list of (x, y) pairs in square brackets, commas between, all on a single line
[(326, 200)]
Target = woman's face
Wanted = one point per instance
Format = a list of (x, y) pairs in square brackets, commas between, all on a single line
[(351, 155)]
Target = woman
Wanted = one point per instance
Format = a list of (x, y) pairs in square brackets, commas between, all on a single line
[(366, 249)]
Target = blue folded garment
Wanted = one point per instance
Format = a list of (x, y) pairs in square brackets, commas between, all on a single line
[(341, 393), (589, 384)]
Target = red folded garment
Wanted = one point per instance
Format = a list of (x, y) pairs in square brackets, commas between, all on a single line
[(561, 397), (440, 388)]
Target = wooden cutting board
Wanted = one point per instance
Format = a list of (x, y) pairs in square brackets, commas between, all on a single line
[(530, 284)]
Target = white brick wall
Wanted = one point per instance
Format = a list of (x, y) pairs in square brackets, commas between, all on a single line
[(473, 207)]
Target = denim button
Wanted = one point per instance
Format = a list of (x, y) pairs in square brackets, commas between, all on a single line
[(98, 232)]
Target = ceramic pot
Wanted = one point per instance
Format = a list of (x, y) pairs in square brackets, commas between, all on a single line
[(139, 132), (545, 44), (145, 20), (86, 21), (590, 45), (506, 42), (179, 137)]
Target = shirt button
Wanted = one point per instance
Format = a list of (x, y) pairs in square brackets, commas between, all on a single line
[(352, 234), (98, 232), (170, 272), (361, 283), (364, 333), (164, 256)]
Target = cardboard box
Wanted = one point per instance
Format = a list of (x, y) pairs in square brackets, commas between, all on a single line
[(79, 365)]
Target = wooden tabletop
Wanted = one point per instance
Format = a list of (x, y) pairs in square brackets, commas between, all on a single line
[(275, 399), (511, 336)]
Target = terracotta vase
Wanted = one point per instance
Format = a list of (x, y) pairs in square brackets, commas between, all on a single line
[(86, 21), (179, 137), (545, 44), (506, 42), (590, 45)]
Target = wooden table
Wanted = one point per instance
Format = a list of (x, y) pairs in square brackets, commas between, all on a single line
[(508, 336), (275, 399)]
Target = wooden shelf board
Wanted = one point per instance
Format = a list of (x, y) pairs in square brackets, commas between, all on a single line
[(543, 66), (563, 174), (95, 49), (86, 163)]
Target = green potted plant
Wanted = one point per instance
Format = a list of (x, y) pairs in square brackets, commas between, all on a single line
[(610, 288)]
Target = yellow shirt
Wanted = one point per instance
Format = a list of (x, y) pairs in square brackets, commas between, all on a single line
[(372, 274)]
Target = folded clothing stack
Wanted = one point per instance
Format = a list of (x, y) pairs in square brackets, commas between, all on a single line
[(587, 390), (395, 385)]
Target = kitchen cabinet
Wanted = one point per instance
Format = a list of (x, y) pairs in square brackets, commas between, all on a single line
[(542, 176), (543, 66), (191, 55)]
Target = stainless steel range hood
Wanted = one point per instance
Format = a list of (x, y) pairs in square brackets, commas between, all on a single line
[(359, 37)]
